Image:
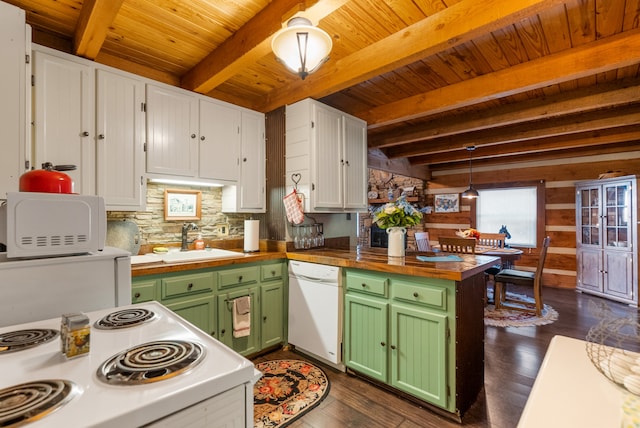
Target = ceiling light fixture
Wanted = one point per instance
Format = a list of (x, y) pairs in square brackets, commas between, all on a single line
[(301, 47), (470, 193)]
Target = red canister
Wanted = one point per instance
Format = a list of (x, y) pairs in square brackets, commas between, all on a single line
[(49, 179)]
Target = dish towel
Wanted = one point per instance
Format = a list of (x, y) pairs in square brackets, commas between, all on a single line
[(242, 316), (293, 207), (450, 258)]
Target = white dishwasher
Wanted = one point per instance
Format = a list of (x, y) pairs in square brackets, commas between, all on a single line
[(315, 311)]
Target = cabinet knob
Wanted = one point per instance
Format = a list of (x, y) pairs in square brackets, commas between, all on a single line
[(222, 331), (264, 318), (100, 136), (193, 135), (202, 138), (240, 278), (273, 273), (346, 163), (85, 134), (189, 286), (213, 333), (137, 295), (393, 347), (382, 344), (415, 294), (364, 285)]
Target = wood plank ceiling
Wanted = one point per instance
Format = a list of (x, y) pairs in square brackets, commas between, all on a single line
[(534, 78)]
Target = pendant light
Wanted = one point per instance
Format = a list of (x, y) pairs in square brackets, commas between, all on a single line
[(301, 47), (470, 193)]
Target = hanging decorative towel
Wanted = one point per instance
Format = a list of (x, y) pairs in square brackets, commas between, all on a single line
[(242, 316), (293, 207)]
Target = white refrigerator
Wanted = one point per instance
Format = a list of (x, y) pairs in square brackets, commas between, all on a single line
[(38, 289)]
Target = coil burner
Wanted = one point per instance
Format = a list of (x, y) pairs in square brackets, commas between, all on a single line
[(28, 402), (124, 318), (19, 340), (151, 362)]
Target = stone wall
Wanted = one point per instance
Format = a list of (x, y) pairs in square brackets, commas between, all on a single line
[(154, 229), (383, 182)]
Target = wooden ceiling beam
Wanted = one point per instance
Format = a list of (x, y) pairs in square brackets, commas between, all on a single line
[(505, 151), (451, 27), (562, 126), (581, 100), (251, 42), (93, 25), (604, 55)]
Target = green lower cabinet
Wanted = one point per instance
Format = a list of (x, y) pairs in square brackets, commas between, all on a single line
[(143, 291), (243, 345), (271, 312), (419, 353), (199, 311), (365, 336)]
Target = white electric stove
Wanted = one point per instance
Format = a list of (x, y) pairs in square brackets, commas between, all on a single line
[(192, 379)]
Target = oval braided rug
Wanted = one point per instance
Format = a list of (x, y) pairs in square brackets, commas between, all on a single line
[(514, 318), (287, 390)]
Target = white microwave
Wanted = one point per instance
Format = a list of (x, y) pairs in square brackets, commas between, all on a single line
[(52, 224)]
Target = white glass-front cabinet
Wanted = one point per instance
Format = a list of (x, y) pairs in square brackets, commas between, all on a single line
[(328, 149), (14, 104), (120, 123), (606, 236), (64, 100)]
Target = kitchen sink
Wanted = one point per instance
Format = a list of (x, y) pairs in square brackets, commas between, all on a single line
[(194, 255)]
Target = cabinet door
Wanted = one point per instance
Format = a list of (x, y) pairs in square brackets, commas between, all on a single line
[(419, 353), (589, 269), (355, 163), (14, 116), (120, 133), (143, 291), (272, 313), (617, 200), (219, 141), (588, 216), (243, 345), (328, 160), (199, 311), (64, 117), (172, 145), (619, 274), (366, 336), (252, 162)]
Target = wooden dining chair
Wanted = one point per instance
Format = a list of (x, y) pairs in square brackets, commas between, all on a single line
[(493, 240), (521, 277), (450, 244)]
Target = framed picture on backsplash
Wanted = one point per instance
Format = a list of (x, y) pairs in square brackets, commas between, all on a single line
[(447, 203), (182, 204)]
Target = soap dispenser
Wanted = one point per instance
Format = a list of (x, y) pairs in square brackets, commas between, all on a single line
[(199, 242)]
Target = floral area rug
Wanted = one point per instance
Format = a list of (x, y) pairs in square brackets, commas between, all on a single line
[(514, 318), (286, 390)]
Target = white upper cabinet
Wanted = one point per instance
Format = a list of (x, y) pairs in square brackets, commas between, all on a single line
[(64, 117), (172, 132), (120, 122), (219, 141), (249, 194), (14, 102), (326, 152)]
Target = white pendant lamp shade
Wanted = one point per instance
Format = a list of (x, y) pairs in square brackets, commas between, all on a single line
[(301, 47)]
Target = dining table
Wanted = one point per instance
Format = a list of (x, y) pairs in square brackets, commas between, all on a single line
[(507, 255)]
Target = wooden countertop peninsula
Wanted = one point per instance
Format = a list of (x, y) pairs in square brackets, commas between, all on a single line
[(369, 259)]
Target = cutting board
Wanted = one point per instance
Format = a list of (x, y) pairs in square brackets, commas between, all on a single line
[(123, 234)]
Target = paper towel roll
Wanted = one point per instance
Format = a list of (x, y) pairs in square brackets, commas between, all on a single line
[(251, 236)]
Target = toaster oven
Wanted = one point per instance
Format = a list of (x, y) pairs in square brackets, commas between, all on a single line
[(52, 224)]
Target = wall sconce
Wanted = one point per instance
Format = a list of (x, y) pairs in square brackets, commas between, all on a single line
[(470, 193), (301, 47)]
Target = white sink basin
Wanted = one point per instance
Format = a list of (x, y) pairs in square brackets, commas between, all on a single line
[(188, 256)]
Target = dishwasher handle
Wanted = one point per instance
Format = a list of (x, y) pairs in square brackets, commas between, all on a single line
[(313, 279)]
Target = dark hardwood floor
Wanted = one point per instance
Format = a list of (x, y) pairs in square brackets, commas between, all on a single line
[(512, 359)]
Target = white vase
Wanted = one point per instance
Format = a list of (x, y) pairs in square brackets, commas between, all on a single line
[(395, 247)]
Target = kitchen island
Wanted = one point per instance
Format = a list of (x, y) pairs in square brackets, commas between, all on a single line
[(415, 327)]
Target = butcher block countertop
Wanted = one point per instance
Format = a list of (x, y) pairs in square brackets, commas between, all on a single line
[(368, 259)]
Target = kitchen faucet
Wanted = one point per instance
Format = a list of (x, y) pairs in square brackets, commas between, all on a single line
[(185, 228)]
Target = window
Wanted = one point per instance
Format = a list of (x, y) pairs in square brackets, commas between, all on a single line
[(518, 206)]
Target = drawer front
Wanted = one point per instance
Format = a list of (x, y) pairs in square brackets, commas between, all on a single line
[(367, 284), (187, 284), (143, 292), (234, 277), (271, 271), (420, 294)]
